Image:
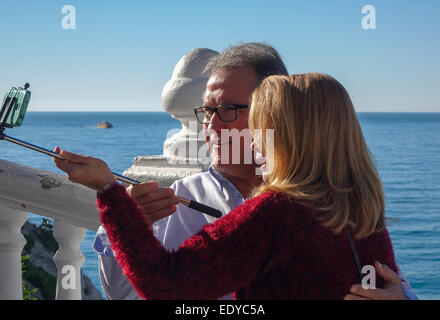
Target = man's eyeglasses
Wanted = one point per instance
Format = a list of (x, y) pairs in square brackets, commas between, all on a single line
[(225, 112)]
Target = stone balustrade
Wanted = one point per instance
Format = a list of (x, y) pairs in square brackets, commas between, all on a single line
[(24, 189)]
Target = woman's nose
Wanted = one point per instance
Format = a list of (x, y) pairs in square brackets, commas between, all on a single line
[(255, 147)]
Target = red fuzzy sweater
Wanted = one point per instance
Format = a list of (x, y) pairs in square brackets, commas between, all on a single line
[(270, 247)]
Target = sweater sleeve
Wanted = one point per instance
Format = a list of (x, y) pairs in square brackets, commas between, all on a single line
[(221, 258)]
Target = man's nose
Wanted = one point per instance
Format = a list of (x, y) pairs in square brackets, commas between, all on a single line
[(215, 123)]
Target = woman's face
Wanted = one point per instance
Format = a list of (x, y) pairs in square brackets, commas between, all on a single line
[(263, 136)]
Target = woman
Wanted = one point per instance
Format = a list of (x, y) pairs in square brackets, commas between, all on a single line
[(292, 239)]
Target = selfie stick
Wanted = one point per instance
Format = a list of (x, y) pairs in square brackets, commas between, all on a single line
[(9, 104)]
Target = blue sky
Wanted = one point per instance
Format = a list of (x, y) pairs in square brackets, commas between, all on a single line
[(123, 52)]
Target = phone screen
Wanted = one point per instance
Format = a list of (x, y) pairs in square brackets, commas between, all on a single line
[(14, 106)]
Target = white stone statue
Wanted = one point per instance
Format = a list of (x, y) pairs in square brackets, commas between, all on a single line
[(180, 95)]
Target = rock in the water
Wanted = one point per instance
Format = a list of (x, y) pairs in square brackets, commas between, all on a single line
[(104, 125)]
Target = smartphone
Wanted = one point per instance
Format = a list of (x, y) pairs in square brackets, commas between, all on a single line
[(14, 106)]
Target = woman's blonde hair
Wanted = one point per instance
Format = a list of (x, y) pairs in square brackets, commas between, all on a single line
[(320, 155)]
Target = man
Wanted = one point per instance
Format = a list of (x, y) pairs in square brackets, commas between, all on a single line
[(233, 76)]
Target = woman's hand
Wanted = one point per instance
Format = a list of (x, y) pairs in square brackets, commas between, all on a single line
[(90, 172)]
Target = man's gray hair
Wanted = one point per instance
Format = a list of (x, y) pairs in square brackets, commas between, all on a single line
[(262, 58)]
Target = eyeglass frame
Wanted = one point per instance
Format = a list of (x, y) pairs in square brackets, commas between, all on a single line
[(215, 110)]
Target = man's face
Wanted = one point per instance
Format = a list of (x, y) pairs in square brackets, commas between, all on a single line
[(229, 87)]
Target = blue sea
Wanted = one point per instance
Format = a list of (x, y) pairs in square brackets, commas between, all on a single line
[(406, 147)]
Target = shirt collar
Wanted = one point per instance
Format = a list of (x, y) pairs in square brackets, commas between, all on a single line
[(218, 179), (222, 182)]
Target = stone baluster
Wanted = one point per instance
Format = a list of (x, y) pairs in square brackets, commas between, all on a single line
[(11, 245), (68, 260)]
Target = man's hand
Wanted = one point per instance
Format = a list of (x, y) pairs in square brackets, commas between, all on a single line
[(154, 202), (90, 172), (393, 287)]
